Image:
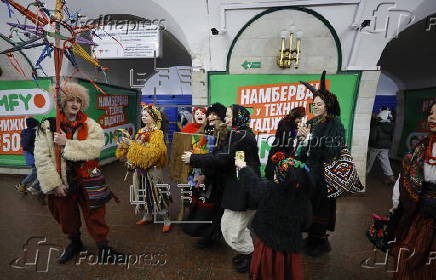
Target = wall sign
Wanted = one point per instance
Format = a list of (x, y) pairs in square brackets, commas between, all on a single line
[(120, 42), (270, 97)]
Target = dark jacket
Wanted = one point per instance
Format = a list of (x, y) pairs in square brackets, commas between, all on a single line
[(283, 142), (235, 197), (28, 135), (328, 138), (284, 209), (380, 135)]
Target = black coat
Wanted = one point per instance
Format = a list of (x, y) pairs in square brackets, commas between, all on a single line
[(380, 136), (328, 138), (28, 135), (27, 139), (283, 142), (284, 210), (235, 197)]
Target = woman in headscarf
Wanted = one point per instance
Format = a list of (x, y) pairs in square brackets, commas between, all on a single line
[(237, 202), (322, 141), (283, 212), (284, 138), (415, 234), (146, 154)]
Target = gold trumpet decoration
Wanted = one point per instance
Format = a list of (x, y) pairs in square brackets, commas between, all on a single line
[(289, 56)]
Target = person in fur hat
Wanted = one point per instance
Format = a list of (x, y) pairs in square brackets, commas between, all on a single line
[(199, 117), (237, 203), (81, 140), (215, 115)]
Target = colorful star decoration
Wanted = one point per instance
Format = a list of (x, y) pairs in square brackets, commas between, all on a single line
[(58, 32)]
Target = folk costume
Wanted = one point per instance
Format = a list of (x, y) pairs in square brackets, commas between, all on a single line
[(323, 145), (239, 207), (219, 112), (147, 155), (199, 117), (415, 233), (277, 251), (79, 162), (205, 205), (284, 138)]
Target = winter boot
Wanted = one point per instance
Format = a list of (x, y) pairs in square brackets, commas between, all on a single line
[(390, 180), (108, 255), (75, 247), (318, 246), (244, 264)]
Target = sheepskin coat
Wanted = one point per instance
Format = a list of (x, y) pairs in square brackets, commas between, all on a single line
[(74, 150)]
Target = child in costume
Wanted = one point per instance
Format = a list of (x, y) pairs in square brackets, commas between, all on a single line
[(147, 155), (284, 211), (199, 117)]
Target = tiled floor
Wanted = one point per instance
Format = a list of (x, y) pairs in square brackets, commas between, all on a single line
[(24, 219)]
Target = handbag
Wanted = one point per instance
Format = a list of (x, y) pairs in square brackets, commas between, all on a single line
[(377, 232), (95, 189), (341, 175)]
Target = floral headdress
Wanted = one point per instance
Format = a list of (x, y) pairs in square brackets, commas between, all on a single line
[(154, 113), (283, 164)]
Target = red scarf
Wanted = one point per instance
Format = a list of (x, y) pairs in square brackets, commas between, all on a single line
[(81, 127), (70, 127)]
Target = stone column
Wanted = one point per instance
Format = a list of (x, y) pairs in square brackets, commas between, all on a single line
[(199, 87), (362, 118)]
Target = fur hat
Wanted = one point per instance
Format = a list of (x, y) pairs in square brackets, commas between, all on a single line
[(71, 89), (218, 109)]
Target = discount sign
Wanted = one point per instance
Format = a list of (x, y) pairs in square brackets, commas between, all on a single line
[(15, 106)]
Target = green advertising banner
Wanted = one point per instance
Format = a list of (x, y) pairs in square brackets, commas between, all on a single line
[(271, 97), (22, 99), (414, 126)]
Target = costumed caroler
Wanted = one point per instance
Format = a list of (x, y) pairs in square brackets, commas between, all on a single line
[(415, 233), (322, 141), (205, 205), (199, 117), (283, 212), (215, 115), (239, 207), (284, 139), (80, 182), (146, 154)]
